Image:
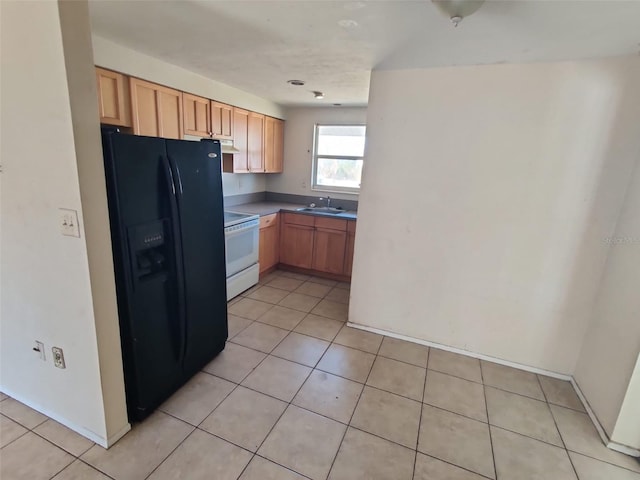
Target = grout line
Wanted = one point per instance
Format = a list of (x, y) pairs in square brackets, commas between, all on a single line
[(424, 388), (486, 406), (91, 466)]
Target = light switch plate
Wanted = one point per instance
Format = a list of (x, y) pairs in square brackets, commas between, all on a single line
[(68, 220)]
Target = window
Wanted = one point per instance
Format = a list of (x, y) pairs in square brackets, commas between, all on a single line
[(338, 157)]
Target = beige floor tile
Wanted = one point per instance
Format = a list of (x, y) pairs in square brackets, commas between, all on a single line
[(270, 277), (518, 456), (591, 469), (262, 469), (278, 378), (560, 392), (197, 398), (333, 310), (389, 416), (319, 327), (323, 281), (269, 294), (202, 457), (339, 295), (260, 336), (329, 395), (141, 450), (345, 285), (19, 412), (455, 364), (407, 352), (285, 282), (244, 418), (347, 362), (359, 339), (249, 291), (313, 289), (64, 437), (282, 317), (234, 301), (397, 377), (3, 396), (580, 436), (301, 348), (235, 362), (304, 442), (522, 415), (366, 457), (298, 301), (429, 468), (249, 308), (10, 430), (456, 439), (511, 380), (80, 471), (32, 458), (456, 395), (237, 324), (296, 276)]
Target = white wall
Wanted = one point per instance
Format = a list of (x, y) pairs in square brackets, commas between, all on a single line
[(298, 147), (627, 429), (487, 193), (612, 343), (108, 54), (46, 282)]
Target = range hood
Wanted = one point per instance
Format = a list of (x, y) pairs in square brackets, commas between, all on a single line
[(227, 147)]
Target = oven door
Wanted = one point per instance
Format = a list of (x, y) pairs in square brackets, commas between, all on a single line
[(241, 242)]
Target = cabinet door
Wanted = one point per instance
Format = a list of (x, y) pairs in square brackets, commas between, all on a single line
[(157, 110), (296, 245), (269, 127), (269, 242), (328, 250), (255, 142), (113, 98), (273, 145), (240, 134), (197, 115), (348, 254), (170, 108), (221, 121)]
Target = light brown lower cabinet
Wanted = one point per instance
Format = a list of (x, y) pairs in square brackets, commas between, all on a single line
[(319, 244), (348, 254), (269, 250)]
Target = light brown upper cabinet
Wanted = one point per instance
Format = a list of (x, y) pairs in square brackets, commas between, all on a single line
[(113, 98), (157, 110), (197, 115), (273, 145), (221, 121), (240, 137), (255, 142)]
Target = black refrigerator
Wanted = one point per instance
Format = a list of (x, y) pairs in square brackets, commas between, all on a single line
[(167, 230)]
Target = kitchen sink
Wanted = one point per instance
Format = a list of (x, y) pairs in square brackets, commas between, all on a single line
[(331, 210)]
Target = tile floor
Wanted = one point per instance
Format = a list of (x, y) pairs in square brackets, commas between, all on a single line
[(296, 394)]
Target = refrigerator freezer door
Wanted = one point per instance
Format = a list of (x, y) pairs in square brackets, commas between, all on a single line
[(199, 182), (144, 252)]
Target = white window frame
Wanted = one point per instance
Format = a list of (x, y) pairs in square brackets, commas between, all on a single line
[(314, 161)]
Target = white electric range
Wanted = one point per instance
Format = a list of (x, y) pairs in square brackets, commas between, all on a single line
[(241, 237)]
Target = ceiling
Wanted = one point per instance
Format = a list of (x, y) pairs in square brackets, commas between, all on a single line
[(257, 46)]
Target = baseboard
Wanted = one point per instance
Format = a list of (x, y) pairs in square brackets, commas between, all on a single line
[(603, 435), (94, 437), (460, 351)]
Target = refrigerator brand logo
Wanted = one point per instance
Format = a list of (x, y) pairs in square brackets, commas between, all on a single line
[(213, 155)]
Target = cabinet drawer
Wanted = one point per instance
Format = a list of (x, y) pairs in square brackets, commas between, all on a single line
[(331, 223), (351, 226), (298, 219), (268, 220)]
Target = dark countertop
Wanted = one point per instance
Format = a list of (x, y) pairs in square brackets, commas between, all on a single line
[(267, 208)]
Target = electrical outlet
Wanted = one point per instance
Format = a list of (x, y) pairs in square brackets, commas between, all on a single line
[(40, 349), (58, 357), (304, 184), (68, 220)]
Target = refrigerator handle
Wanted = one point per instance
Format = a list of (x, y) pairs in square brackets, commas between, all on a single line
[(177, 248)]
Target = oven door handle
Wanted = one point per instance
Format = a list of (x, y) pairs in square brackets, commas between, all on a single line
[(255, 225)]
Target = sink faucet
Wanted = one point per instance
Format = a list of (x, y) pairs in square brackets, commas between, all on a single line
[(328, 201)]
